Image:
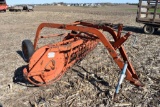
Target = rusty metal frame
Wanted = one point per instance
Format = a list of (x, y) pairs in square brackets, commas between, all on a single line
[(97, 30)]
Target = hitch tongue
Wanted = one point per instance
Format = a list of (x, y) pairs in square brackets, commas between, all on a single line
[(123, 75)]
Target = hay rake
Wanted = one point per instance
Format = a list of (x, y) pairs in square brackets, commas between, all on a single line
[(48, 63)]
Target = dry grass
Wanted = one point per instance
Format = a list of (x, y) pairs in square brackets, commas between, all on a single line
[(92, 81)]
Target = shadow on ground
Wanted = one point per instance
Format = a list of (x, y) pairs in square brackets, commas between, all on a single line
[(18, 76), (94, 80), (1, 105), (137, 30), (19, 52), (133, 29)]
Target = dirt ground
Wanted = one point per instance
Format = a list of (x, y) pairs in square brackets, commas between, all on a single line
[(91, 82)]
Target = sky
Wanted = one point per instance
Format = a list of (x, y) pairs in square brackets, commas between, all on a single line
[(13, 2)]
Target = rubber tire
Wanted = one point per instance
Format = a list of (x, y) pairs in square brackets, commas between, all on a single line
[(148, 29), (27, 50)]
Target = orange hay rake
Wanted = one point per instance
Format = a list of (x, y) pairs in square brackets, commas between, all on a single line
[(48, 63)]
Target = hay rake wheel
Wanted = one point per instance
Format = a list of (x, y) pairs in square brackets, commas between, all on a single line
[(50, 62)]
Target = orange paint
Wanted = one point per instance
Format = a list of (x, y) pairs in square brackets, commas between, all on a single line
[(51, 61)]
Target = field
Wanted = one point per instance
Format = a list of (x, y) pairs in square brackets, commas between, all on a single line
[(91, 82)]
